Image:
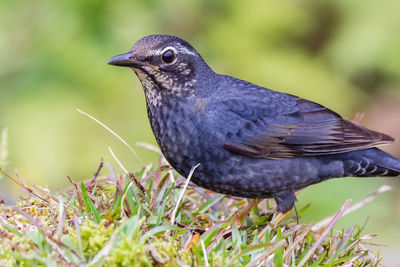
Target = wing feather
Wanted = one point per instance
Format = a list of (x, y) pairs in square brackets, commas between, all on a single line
[(308, 129)]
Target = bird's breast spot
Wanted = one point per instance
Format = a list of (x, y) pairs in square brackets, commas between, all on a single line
[(153, 98)]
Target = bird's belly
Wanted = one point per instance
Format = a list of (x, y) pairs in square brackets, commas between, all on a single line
[(252, 178), (236, 175)]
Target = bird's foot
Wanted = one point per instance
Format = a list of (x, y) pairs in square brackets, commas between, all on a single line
[(284, 200)]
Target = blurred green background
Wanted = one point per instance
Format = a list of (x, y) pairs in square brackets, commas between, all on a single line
[(342, 54)]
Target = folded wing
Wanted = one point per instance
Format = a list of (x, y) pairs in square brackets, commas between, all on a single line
[(292, 126)]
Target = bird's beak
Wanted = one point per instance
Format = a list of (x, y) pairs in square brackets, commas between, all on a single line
[(125, 60)]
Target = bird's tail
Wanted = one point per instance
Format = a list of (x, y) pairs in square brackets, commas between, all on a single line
[(372, 162)]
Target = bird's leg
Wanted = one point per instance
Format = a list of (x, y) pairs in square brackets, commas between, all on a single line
[(238, 217), (297, 215), (284, 200), (284, 203)]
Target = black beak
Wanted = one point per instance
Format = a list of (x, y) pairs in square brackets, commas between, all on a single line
[(125, 60)]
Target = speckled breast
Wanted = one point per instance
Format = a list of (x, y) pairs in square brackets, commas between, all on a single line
[(185, 140)]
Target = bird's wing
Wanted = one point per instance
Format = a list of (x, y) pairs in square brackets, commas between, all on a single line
[(284, 126)]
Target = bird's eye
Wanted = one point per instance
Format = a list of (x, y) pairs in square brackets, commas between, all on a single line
[(168, 56)]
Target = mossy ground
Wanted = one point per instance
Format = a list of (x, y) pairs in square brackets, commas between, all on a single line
[(138, 219)]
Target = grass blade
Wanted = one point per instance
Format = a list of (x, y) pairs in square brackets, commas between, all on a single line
[(90, 207)]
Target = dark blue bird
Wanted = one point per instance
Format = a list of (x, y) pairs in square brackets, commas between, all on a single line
[(250, 141)]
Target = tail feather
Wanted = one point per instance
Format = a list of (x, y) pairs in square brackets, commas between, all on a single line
[(372, 162)]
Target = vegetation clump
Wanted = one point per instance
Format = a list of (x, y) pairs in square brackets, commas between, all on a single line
[(150, 218)]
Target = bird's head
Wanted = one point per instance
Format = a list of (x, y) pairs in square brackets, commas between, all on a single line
[(164, 64)]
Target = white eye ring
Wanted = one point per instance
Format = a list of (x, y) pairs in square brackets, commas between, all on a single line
[(174, 53)]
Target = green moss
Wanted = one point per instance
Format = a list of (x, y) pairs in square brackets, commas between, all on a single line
[(128, 252), (93, 236), (167, 251), (33, 234), (18, 252), (16, 249), (17, 259)]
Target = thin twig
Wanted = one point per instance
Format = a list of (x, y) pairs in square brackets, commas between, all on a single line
[(296, 241), (96, 173), (116, 159), (204, 252), (332, 223), (23, 186), (111, 131), (149, 147), (182, 193), (355, 207), (260, 257)]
